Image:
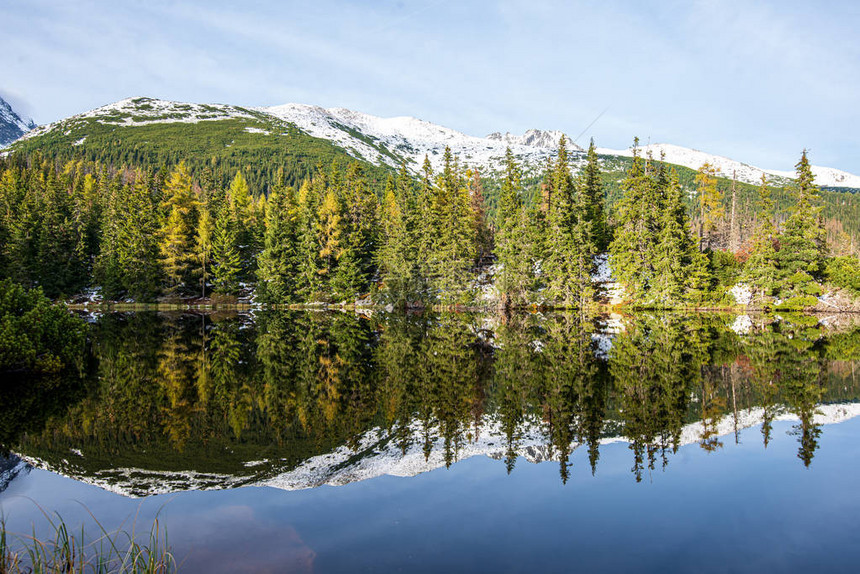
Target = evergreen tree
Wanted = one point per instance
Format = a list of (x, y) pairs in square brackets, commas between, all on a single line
[(652, 254), (360, 227), (308, 282), (226, 261), (396, 257), (244, 212), (138, 241), (761, 270), (802, 245), (177, 231), (711, 210), (481, 230), (591, 189), (632, 244), (453, 242), (513, 276), (277, 263)]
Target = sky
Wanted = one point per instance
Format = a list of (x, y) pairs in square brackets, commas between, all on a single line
[(754, 81)]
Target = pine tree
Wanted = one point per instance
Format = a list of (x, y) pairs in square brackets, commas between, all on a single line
[(761, 270), (308, 283), (138, 238), (802, 245), (593, 198), (360, 227), (278, 262), (513, 276), (653, 254), (672, 248), (396, 256), (451, 232), (226, 261), (711, 210), (481, 230), (177, 231), (632, 245)]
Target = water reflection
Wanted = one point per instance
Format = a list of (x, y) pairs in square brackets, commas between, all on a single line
[(294, 399)]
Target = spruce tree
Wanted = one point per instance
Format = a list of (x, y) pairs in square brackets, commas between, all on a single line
[(177, 230), (243, 210), (513, 273), (277, 263), (397, 251), (226, 261), (308, 283), (630, 250), (802, 244), (453, 246), (591, 188), (761, 269)]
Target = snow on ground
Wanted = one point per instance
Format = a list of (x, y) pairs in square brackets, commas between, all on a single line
[(741, 293), (742, 325), (146, 111)]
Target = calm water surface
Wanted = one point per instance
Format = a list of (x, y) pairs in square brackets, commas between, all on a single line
[(327, 442)]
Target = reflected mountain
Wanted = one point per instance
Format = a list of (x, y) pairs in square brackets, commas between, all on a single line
[(300, 399)]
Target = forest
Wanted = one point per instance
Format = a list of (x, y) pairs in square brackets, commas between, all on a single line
[(344, 232)]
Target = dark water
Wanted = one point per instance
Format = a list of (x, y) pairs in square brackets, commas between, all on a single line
[(326, 442)]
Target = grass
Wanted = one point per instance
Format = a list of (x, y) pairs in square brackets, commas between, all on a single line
[(69, 552)]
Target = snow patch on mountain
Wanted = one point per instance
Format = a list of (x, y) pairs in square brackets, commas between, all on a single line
[(145, 111)]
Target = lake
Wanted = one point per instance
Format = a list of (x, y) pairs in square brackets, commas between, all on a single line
[(287, 441)]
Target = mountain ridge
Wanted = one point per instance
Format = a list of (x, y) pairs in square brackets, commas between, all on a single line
[(404, 139)]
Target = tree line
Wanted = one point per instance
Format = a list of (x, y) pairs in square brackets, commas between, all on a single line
[(410, 241)]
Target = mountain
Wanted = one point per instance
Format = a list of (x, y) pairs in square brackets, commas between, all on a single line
[(158, 129), (729, 168), (376, 453), (534, 138), (12, 125)]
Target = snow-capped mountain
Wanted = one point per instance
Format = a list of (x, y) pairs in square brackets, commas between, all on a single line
[(729, 168), (376, 454), (12, 124), (393, 141), (534, 138)]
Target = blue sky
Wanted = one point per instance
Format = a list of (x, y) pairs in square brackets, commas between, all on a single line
[(756, 81)]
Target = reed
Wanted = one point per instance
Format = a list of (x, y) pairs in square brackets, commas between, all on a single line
[(71, 552)]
